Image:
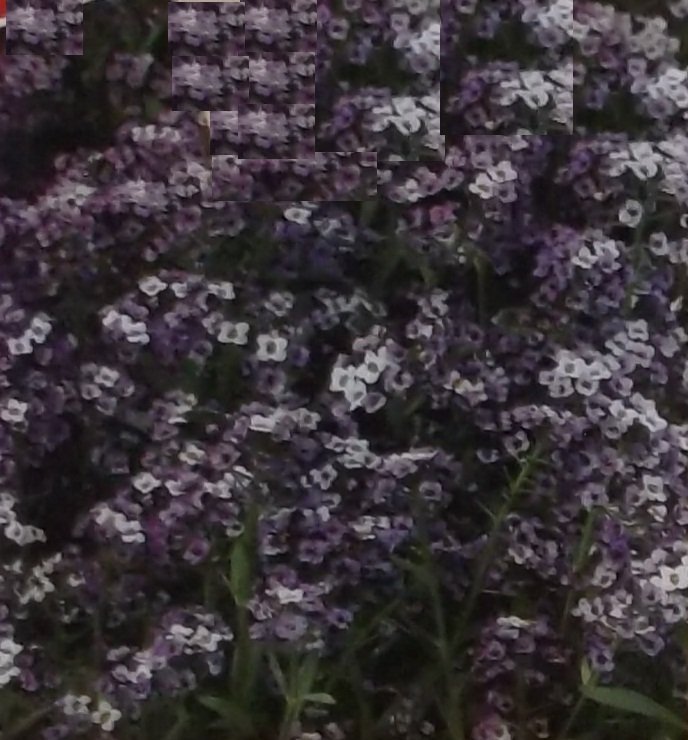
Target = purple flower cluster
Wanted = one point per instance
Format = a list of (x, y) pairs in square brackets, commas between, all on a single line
[(455, 336), (45, 28)]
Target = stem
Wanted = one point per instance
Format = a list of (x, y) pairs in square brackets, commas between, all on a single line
[(491, 545), (291, 713), (241, 682), (577, 707), (20, 730), (578, 564)]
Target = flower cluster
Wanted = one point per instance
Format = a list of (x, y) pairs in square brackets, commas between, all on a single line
[(284, 403)]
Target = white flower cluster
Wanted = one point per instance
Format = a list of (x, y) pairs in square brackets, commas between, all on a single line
[(670, 85), (553, 24), (653, 40), (472, 391), (425, 44), (37, 333), (95, 378), (496, 181), (353, 380), (601, 252), (144, 196), (408, 114), (114, 522), (574, 373), (68, 195), (9, 649), (353, 452), (365, 527), (638, 157), (300, 418), (135, 332), (539, 89), (104, 715), (197, 640), (11, 527), (38, 585)]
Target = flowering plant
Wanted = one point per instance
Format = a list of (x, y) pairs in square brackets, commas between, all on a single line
[(385, 440)]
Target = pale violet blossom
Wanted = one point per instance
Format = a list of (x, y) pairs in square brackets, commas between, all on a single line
[(271, 348)]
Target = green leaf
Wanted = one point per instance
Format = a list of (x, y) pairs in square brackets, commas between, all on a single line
[(419, 572), (240, 572), (307, 673), (177, 730), (585, 541), (585, 672), (320, 698), (234, 717), (277, 674), (631, 701)]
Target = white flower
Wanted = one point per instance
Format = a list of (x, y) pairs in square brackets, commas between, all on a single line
[(130, 531), (106, 377), (584, 258), (260, 423), (297, 215), (40, 328), (8, 650), (287, 595), (135, 331), (72, 705), (631, 213), (106, 716), (14, 411), (152, 285), (224, 290), (671, 579), (342, 377), (483, 186), (20, 345), (271, 347), (145, 482), (653, 485), (355, 393), (503, 172), (373, 365), (231, 333)]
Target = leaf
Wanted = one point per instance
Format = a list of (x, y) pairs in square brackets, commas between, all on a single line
[(233, 716), (240, 572), (320, 698), (277, 674), (177, 730), (585, 541), (585, 672), (307, 673), (419, 572), (631, 701)]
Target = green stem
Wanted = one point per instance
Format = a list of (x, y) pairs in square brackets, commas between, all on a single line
[(291, 712), (491, 545), (21, 730), (577, 708)]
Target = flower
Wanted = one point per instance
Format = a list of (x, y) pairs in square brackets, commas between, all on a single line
[(233, 333), (631, 213), (106, 716), (271, 347), (75, 705)]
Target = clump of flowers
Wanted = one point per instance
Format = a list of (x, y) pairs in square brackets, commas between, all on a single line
[(388, 437)]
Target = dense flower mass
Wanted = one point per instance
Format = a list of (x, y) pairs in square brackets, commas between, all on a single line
[(368, 416)]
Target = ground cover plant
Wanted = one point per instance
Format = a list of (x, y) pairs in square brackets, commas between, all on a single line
[(406, 466)]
